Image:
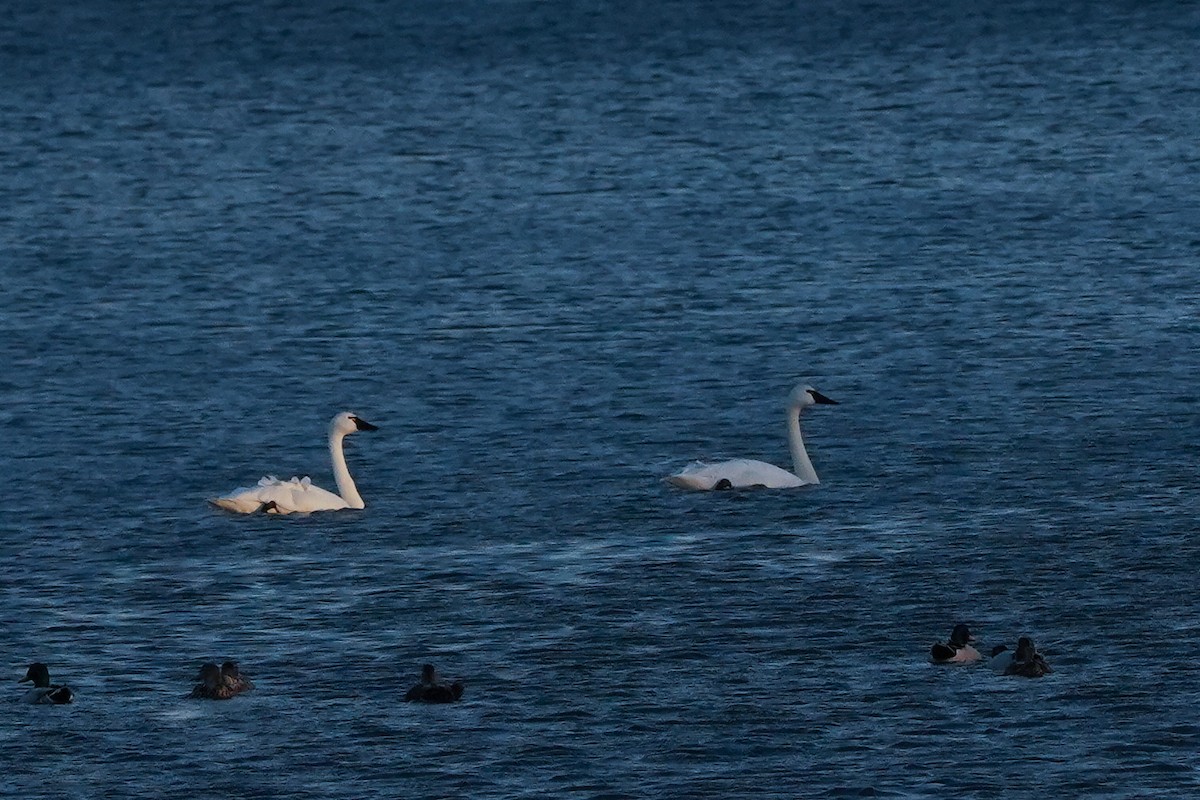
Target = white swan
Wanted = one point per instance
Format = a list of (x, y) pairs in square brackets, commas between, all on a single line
[(742, 473), (299, 495)]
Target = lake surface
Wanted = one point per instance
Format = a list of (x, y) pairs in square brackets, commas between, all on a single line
[(556, 251)]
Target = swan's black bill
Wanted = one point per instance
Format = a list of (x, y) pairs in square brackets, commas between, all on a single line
[(363, 425), (822, 399)]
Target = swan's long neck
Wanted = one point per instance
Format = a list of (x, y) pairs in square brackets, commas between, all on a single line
[(341, 473), (800, 463)]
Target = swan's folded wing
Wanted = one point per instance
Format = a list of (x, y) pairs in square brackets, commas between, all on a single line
[(240, 501), (306, 498), (697, 475), (251, 499), (740, 473), (297, 495)]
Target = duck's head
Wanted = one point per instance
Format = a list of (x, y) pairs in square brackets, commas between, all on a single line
[(804, 396), (230, 670), (210, 675), (348, 422), (428, 674), (961, 635), (1025, 649), (39, 673)]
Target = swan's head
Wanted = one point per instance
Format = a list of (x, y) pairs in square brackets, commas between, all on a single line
[(804, 396), (348, 422)]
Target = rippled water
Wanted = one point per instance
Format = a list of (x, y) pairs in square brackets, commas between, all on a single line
[(556, 251)]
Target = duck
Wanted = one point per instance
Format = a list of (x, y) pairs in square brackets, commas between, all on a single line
[(299, 495), (1027, 662), (744, 473), (956, 651), (431, 690), (212, 685), (1000, 658), (44, 692), (233, 679)]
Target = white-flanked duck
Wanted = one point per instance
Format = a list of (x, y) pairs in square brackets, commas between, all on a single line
[(956, 651), (743, 473), (299, 495), (430, 689), (44, 692), (1001, 657)]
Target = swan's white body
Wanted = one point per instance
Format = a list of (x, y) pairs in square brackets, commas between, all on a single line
[(743, 473), (299, 495)]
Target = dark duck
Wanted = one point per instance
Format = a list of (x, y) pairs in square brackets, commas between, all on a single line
[(1027, 662), (432, 690), (219, 683), (233, 678)]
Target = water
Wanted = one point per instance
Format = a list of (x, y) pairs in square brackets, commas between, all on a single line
[(556, 251)]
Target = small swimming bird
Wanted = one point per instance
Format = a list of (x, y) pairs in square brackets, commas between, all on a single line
[(233, 679), (432, 690), (43, 692), (1001, 657), (743, 473), (956, 651), (1027, 662), (298, 495), (211, 684)]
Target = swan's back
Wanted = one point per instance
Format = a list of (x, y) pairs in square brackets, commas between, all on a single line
[(297, 496), (740, 473)]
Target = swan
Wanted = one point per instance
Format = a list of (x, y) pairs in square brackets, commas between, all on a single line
[(298, 494), (741, 473)]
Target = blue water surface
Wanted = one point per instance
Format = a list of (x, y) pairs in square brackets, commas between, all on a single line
[(556, 251)]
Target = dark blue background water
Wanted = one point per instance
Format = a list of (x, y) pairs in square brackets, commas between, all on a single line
[(556, 251)]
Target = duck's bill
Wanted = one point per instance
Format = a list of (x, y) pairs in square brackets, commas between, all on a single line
[(822, 399)]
